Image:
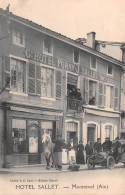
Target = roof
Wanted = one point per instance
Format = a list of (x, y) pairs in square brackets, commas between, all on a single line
[(61, 37)]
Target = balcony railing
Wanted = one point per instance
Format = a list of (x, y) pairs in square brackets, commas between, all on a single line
[(74, 104)]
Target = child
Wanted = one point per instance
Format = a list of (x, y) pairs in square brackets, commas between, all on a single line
[(73, 165)]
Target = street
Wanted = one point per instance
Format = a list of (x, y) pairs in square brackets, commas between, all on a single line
[(98, 181)]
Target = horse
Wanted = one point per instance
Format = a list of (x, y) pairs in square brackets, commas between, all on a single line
[(48, 149)]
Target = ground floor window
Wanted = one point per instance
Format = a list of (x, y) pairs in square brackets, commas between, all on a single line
[(108, 131), (19, 136)]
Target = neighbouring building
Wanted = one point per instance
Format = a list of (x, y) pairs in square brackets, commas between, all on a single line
[(117, 51), (55, 83)]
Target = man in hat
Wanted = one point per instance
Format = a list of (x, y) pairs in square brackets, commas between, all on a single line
[(97, 146), (58, 153), (115, 146), (107, 145)]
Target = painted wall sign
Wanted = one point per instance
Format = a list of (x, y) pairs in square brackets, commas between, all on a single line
[(59, 63), (50, 60)]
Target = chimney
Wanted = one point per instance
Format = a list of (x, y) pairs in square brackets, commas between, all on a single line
[(91, 39)]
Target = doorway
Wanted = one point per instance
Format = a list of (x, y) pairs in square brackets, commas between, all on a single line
[(91, 133)]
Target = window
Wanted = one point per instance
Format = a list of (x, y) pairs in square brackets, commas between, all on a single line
[(47, 82), (18, 37), (48, 45), (92, 92), (108, 131), (109, 96), (19, 136), (76, 56), (110, 70), (17, 75), (93, 62)]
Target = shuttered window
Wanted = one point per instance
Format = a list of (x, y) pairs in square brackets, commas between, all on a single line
[(34, 79), (47, 82), (116, 98), (101, 94), (58, 84), (6, 61), (86, 91)]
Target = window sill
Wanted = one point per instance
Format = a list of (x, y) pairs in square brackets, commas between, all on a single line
[(110, 75), (17, 93), (49, 54), (19, 44), (45, 98)]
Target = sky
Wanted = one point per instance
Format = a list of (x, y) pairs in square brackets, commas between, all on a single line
[(75, 18)]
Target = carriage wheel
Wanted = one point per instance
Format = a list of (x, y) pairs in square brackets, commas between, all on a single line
[(90, 164), (110, 162)]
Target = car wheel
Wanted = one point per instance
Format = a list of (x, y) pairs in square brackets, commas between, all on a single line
[(90, 164), (110, 162)]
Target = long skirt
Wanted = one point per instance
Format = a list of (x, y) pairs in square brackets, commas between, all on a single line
[(80, 158), (64, 156), (58, 158), (72, 153)]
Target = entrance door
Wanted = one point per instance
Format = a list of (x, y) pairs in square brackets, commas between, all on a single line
[(34, 155), (91, 133)]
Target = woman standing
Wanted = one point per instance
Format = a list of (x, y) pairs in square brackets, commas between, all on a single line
[(71, 149), (80, 155)]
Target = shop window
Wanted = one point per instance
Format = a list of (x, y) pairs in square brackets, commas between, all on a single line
[(47, 82), (48, 47), (93, 63), (19, 136), (110, 70), (92, 92), (18, 37), (17, 75), (76, 56)]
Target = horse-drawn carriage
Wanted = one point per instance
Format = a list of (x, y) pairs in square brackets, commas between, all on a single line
[(107, 159)]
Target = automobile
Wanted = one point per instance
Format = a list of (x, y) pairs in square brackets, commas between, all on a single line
[(106, 159)]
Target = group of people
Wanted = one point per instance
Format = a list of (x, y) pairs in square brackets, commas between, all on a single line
[(75, 153), (74, 93), (107, 146)]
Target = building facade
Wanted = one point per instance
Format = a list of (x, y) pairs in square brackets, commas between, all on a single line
[(55, 84)]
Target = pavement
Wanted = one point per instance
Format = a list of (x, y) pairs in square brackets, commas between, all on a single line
[(38, 169)]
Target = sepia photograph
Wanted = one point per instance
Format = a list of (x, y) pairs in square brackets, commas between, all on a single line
[(62, 97)]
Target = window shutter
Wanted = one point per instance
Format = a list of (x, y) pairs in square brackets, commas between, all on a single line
[(116, 98), (58, 84), (104, 95), (100, 92), (7, 71), (86, 91), (38, 80), (32, 82), (112, 97)]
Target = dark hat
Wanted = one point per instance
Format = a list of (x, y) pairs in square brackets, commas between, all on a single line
[(117, 138), (98, 138)]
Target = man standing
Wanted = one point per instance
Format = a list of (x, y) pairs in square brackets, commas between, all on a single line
[(97, 146), (88, 149), (58, 153), (107, 145), (115, 147)]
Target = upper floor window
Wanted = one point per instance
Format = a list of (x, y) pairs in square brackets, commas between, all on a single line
[(17, 75), (47, 46), (47, 82), (18, 37), (93, 63), (92, 92), (76, 56), (110, 70)]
